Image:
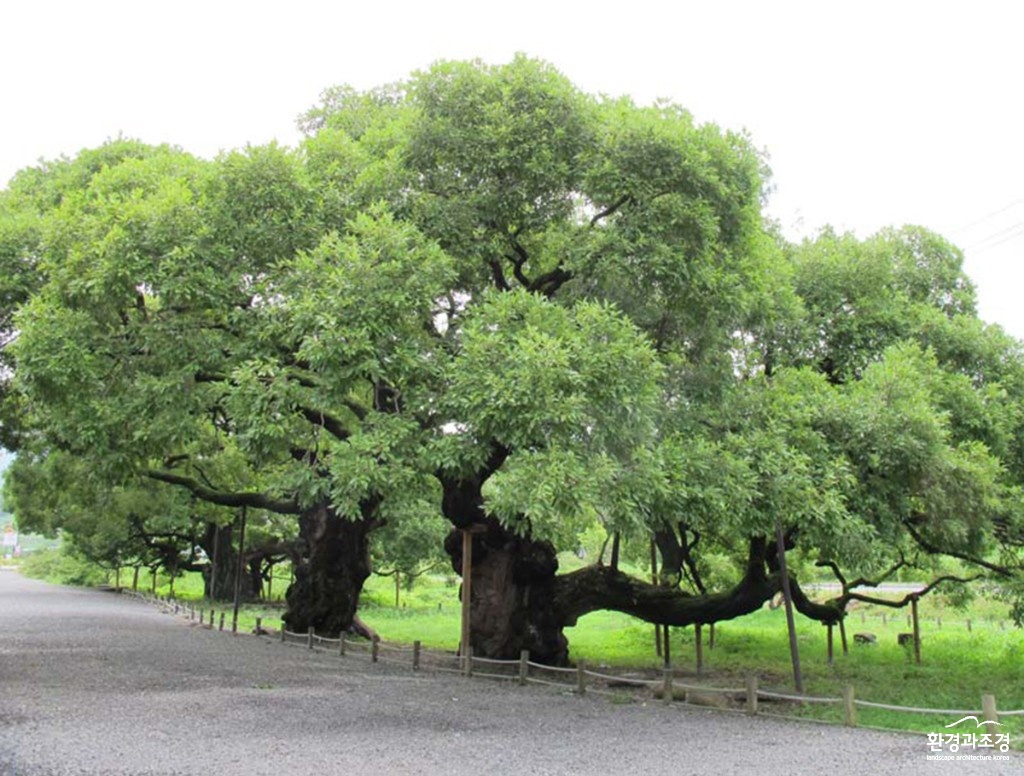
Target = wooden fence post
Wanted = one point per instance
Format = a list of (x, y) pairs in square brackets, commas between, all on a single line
[(341, 644), (259, 626), (309, 637), (831, 657), (917, 630), (524, 665), (849, 710), (222, 621), (698, 640), (467, 661), (374, 649), (842, 636), (283, 632), (751, 693), (213, 619), (988, 708), (416, 647), (667, 687), (581, 677)]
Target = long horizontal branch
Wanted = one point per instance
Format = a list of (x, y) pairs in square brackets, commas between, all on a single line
[(934, 549), (226, 499), (899, 604)]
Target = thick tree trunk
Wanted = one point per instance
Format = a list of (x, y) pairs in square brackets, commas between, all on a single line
[(219, 573), (512, 595), (330, 576)]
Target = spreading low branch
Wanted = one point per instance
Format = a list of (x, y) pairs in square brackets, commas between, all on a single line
[(934, 549), (226, 499), (900, 603)]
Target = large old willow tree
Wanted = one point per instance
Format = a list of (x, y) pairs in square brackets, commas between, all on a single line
[(482, 297)]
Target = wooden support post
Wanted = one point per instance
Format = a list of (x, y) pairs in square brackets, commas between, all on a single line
[(581, 677), (751, 693), (222, 621), (309, 637), (666, 645), (698, 641), (238, 569), (375, 649), (831, 656), (524, 665), (416, 647), (212, 619), (259, 626), (917, 630), (787, 596), (842, 636), (282, 632), (467, 590), (341, 644), (849, 710), (654, 581), (467, 662), (711, 636), (667, 687), (988, 709), (202, 615)]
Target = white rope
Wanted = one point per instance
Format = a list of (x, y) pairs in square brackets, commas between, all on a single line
[(555, 669), (623, 679), (915, 710), (800, 698), (492, 661), (560, 685), (504, 677), (712, 690)]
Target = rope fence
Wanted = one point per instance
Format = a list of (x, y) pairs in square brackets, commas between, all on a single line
[(580, 679)]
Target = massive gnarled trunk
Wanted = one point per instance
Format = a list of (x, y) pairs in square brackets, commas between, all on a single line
[(511, 604), (513, 576), (330, 576), (217, 542)]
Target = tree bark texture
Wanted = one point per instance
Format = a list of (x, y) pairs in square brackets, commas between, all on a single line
[(330, 576)]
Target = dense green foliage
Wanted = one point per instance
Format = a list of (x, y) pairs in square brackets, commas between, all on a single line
[(482, 297)]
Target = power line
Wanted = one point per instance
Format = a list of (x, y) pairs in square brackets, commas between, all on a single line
[(988, 216)]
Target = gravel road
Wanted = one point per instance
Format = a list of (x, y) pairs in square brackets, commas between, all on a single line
[(94, 683)]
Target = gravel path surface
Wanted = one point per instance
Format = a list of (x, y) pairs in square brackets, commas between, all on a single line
[(94, 683)]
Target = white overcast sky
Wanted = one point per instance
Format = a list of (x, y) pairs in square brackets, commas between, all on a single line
[(873, 113)]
